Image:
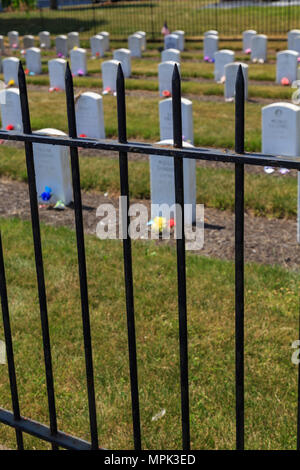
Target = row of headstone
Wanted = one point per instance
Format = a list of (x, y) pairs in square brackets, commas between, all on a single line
[(89, 113), (281, 136), (256, 45), (28, 40)]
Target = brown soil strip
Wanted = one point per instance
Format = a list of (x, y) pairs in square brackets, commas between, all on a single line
[(271, 242)]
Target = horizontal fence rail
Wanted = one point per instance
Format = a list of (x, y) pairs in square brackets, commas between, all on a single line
[(239, 158)]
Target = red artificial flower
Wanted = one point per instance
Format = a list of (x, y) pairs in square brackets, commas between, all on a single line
[(285, 81), (166, 93), (172, 223), (26, 71), (82, 135), (10, 127)]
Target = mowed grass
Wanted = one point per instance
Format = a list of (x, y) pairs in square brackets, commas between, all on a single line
[(264, 195), (213, 121), (271, 325)]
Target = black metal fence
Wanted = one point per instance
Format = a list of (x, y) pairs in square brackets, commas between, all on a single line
[(177, 152), (122, 18)]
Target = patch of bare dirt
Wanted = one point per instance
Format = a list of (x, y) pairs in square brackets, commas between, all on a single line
[(266, 241)]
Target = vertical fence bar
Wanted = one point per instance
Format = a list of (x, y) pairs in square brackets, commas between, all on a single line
[(239, 258), (38, 253), (9, 348), (123, 163), (81, 260), (298, 411), (181, 269)]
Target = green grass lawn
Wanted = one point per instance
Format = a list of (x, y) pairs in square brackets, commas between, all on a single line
[(264, 195), (271, 325), (49, 110), (125, 17)]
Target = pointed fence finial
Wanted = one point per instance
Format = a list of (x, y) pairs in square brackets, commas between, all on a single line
[(176, 105), (121, 105), (239, 111)]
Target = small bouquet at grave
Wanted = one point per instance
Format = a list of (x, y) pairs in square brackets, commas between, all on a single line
[(10, 127), (47, 194), (26, 71), (159, 224), (59, 206), (54, 88), (10, 83), (166, 94), (14, 46), (248, 51), (80, 73), (106, 91), (208, 59), (97, 54), (60, 55)]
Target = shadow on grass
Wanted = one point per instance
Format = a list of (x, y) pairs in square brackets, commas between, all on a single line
[(59, 24)]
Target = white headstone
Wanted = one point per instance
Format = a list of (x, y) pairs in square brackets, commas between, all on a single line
[(180, 33), (222, 58), (89, 115), (109, 70), (163, 186), (28, 41), (281, 136), (259, 48), (11, 109), (165, 73), (211, 32), (78, 61), (105, 34), (172, 41), (286, 66), (123, 56), (210, 46), (73, 40), (144, 43), (33, 60), (297, 44), (166, 120), (97, 45), (61, 44), (45, 40), (13, 38), (57, 70), (170, 54), (247, 37), (135, 43), (291, 35), (10, 67), (231, 71), (52, 168)]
